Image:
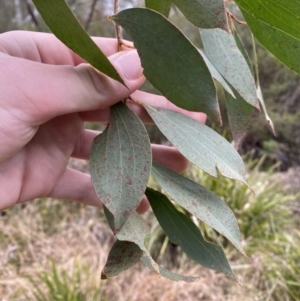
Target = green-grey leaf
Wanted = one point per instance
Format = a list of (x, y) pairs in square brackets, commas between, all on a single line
[(182, 230), (166, 273), (199, 143), (171, 63), (62, 22), (122, 256), (239, 115), (160, 6), (200, 202), (283, 45), (135, 230), (204, 13), (120, 163), (221, 49), (215, 74)]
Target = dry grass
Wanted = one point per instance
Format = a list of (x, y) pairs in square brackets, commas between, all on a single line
[(81, 236), (72, 235)]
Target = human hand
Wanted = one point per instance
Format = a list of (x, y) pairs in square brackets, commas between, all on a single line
[(46, 94)]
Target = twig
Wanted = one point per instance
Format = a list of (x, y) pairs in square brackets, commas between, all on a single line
[(133, 100), (31, 13), (91, 13), (118, 29), (235, 18)]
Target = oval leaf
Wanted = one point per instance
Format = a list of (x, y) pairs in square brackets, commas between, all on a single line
[(120, 163), (222, 50), (182, 230), (199, 201), (61, 21), (204, 13), (171, 63), (162, 7), (121, 257), (199, 144)]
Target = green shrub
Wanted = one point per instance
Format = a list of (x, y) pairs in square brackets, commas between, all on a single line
[(57, 285)]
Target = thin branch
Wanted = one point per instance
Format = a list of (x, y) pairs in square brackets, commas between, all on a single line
[(91, 13), (118, 29), (31, 13), (235, 18)]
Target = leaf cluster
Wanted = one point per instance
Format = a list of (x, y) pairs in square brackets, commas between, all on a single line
[(121, 160)]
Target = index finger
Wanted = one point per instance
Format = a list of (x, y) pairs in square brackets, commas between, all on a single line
[(46, 48)]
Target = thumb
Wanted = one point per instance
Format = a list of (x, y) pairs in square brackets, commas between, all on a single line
[(57, 90)]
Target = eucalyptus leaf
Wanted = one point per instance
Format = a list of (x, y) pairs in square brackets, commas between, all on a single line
[(135, 230), (281, 14), (222, 50), (122, 256), (204, 13), (276, 26), (160, 6), (171, 63), (133, 234), (199, 201), (181, 230), (120, 163), (199, 143), (215, 74), (61, 21), (239, 115)]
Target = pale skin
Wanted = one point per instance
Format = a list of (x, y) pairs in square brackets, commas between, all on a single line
[(46, 94)]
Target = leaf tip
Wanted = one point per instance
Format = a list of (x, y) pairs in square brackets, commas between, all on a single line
[(271, 124), (244, 253), (111, 18)]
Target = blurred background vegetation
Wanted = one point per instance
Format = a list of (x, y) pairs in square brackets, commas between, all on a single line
[(55, 250)]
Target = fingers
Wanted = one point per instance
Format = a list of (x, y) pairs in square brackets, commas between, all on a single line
[(46, 48), (170, 157), (76, 186), (165, 155), (48, 91), (143, 206), (83, 144), (162, 102), (147, 99)]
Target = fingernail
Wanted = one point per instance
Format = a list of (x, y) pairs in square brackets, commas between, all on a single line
[(128, 64)]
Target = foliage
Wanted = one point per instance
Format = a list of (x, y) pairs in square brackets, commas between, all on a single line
[(181, 72)]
